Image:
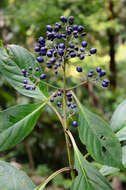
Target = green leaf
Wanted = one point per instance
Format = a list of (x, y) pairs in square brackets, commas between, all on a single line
[(13, 179), (121, 134), (17, 122), (12, 61), (99, 138), (119, 117), (88, 177), (107, 170)]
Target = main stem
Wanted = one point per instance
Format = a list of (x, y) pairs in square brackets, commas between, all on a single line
[(65, 123)]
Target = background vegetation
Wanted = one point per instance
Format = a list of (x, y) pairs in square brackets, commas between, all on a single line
[(22, 22)]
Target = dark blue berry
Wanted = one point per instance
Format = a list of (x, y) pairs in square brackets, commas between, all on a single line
[(61, 52), (36, 69), (73, 54), (102, 73), (74, 123), (33, 87), (63, 19), (49, 66), (82, 57), (90, 74), (41, 40), (59, 35), (25, 74), (76, 48), (84, 44), (52, 60), (71, 19), (63, 116), (49, 54), (23, 71), (59, 93), (98, 69), (51, 100), (37, 48), (30, 68), (80, 28), (73, 106), (71, 45), (75, 27), (40, 59), (55, 53), (79, 69), (49, 28), (27, 87), (25, 82), (69, 99), (59, 104), (56, 28), (42, 76), (93, 50), (104, 84), (68, 104), (82, 49), (106, 81), (84, 34), (69, 94), (62, 46)]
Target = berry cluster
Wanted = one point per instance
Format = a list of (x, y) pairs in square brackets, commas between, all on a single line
[(63, 45), (101, 73)]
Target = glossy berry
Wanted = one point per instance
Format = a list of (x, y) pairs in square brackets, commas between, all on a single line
[(41, 40), (69, 94), (82, 57), (52, 60), (73, 54), (73, 106), (84, 34), (27, 87), (49, 28), (59, 93), (63, 19), (25, 74), (42, 76), (80, 28), (104, 84), (30, 68), (93, 50), (71, 19), (33, 87), (59, 35), (79, 69), (59, 104), (40, 59), (74, 123), (106, 81), (102, 73), (25, 82), (90, 74), (82, 49), (71, 45), (37, 48), (49, 54), (36, 69), (51, 100), (98, 69), (75, 27), (84, 44), (68, 104), (62, 46), (61, 52), (23, 71)]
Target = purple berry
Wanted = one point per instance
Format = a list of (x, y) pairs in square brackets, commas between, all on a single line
[(74, 123), (63, 19), (93, 50), (33, 87), (73, 54), (36, 69), (51, 100), (82, 57), (102, 73), (42, 76), (27, 87), (41, 40), (84, 34), (90, 74), (62, 46), (49, 54), (30, 68), (98, 69), (106, 81), (75, 27), (84, 44), (37, 48), (49, 28), (68, 104), (61, 52), (40, 59), (59, 104), (59, 93), (71, 45), (80, 28), (82, 49), (52, 60), (71, 19), (69, 94), (79, 69), (23, 71), (25, 82), (104, 84), (59, 35)]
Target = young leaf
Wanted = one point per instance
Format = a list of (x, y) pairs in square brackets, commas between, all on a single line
[(107, 170), (88, 177), (99, 138), (17, 122), (13, 179), (119, 117), (12, 61)]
